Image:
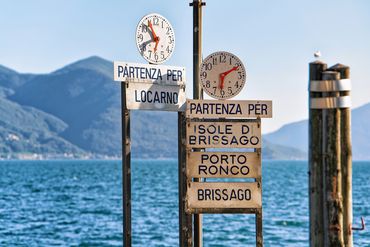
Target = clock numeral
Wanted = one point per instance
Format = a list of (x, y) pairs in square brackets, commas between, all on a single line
[(156, 56), (214, 91), (162, 55), (168, 30), (229, 90), (143, 47), (240, 75), (171, 39), (208, 66), (208, 84), (222, 92), (150, 53), (144, 28), (155, 21), (140, 37), (214, 61), (204, 74), (168, 49), (237, 84), (230, 61), (222, 58)]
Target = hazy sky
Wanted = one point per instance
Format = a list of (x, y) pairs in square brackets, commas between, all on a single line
[(275, 40)]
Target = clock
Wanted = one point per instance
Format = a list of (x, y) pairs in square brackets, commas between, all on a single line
[(155, 38), (222, 75)]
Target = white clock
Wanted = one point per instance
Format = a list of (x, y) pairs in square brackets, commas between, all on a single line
[(222, 75), (155, 38)]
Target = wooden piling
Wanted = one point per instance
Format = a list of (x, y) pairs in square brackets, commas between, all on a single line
[(333, 204), (346, 159), (315, 165)]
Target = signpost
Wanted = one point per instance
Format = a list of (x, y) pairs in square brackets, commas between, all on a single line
[(202, 124), (221, 125)]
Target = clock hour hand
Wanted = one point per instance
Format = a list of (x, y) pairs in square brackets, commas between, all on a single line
[(224, 74), (155, 37)]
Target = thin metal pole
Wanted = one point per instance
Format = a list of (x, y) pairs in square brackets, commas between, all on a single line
[(197, 94), (126, 168)]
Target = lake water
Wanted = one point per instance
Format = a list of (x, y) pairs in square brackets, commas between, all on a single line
[(79, 203)]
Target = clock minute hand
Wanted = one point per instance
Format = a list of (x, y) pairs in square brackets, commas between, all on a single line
[(224, 74), (155, 37)]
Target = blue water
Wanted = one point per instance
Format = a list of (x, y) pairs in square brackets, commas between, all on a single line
[(78, 203)]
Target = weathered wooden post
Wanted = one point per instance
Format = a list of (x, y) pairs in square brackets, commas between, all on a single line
[(330, 161), (346, 158), (185, 220), (315, 165), (333, 204)]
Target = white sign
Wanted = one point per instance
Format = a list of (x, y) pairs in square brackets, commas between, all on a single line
[(223, 165), (145, 96), (223, 195), (149, 73), (229, 109), (223, 135)]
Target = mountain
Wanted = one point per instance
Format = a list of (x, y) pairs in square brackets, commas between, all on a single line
[(77, 110), (296, 134)]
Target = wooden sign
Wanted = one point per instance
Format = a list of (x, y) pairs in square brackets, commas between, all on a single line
[(223, 165), (228, 108), (149, 73), (223, 135), (223, 195), (145, 96)]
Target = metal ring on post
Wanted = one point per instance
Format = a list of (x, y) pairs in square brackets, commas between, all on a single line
[(330, 85), (330, 102), (327, 86)]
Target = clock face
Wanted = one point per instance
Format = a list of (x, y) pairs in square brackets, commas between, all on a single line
[(155, 38), (222, 75)]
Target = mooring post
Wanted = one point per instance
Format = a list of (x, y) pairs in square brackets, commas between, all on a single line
[(126, 168), (330, 157), (346, 159), (197, 93), (333, 204), (315, 165)]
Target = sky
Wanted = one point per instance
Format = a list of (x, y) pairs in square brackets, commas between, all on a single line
[(274, 39)]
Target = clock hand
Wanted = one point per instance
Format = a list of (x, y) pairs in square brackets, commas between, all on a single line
[(224, 74), (155, 37)]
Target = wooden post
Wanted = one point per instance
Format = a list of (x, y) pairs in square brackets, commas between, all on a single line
[(126, 168), (333, 204), (185, 219), (315, 165), (346, 159), (197, 94)]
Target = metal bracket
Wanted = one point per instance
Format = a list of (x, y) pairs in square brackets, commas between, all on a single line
[(195, 2), (362, 226)]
